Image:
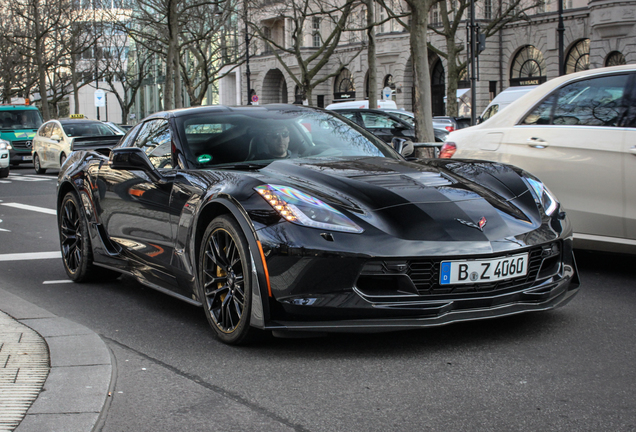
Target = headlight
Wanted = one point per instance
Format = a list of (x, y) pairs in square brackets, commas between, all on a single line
[(302, 209), (5, 145), (542, 195)]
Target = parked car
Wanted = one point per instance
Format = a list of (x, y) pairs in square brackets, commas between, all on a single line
[(56, 139), (5, 146), (578, 134), (503, 99), (386, 125), (18, 124), (451, 123), (290, 219)]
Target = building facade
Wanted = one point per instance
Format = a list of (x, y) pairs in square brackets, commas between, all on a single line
[(526, 52)]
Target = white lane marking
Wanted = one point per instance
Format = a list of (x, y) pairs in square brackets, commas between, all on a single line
[(30, 179), (30, 256), (30, 207), (57, 282), (5, 182), (1, 229)]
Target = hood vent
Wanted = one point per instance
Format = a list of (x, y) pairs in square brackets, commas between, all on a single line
[(411, 180)]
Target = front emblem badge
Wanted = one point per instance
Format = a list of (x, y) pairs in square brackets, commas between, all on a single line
[(480, 225)]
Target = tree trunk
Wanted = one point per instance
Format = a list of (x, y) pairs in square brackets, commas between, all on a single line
[(40, 63), (421, 75), (373, 71)]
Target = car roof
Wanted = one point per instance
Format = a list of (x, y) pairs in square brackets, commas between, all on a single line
[(527, 102), (180, 112)]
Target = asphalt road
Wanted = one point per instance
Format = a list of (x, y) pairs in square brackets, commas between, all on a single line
[(572, 369)]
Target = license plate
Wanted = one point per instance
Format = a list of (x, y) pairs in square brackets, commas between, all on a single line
[(27, 158), (483, 271)]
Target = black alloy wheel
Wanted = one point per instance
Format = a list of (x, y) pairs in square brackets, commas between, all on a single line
[(74, 240), (75, 243), (37, 166), (225, 280)]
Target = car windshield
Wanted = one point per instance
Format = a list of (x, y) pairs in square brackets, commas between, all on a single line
[(20, 119), (260, 136), (86, 129)]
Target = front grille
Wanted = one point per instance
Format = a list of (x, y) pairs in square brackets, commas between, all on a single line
[(425, 276), (21, 145)]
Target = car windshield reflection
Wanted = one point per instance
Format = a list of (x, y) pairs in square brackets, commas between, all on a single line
[(247, 139)]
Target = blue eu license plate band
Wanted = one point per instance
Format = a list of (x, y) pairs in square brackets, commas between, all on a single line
[(483, 271)]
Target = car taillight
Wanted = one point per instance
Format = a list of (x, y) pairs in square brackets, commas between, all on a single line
[(448, 150), (449, 128)]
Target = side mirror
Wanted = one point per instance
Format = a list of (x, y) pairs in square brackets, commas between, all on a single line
[(56, 137), (403, 146), (132, 158)]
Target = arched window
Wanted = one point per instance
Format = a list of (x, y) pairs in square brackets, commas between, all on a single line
[(438, 89), (615, 58), (528, 67), (578, 58), (344, 88)]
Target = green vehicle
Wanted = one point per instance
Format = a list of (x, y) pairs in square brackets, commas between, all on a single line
[(18, 125)]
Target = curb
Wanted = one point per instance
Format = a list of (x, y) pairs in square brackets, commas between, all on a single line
[(76, 390)]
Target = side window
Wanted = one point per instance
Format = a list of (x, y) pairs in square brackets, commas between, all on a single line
[(129, 139), (378, 121), (155, 140), (56, 130), (593, 102), (45, 130), (542, 113), (630, 115)]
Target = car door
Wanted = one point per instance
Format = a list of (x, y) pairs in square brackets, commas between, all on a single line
[(41, 142), (572, 141), (135, 209), (56, 145), (629, 163)]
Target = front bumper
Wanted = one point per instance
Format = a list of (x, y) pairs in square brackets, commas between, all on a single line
[(337, 291), (4, 158), (436, 313), (21, 156)]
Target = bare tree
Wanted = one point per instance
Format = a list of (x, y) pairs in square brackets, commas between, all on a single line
[(40, 20), (210, 42), (453, 15), (304, 65)]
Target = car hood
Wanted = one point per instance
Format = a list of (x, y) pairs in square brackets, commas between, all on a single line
[(418, 199)]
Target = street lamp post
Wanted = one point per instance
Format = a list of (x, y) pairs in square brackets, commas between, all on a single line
[(473, 72), (560, 31)]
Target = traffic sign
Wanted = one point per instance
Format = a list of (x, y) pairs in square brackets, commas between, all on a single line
[(254, 98), (100, 98)]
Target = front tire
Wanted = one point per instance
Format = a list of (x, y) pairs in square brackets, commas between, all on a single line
[(37, 165), (225, 280), (75, 243), (4, 172)]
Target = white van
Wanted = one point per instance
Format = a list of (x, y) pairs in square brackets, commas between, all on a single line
[(504, 99), (361, 104)]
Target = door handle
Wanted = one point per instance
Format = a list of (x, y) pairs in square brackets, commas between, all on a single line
[(538, 143)]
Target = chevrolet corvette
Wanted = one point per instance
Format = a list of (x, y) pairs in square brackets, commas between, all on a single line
[(297, 221)]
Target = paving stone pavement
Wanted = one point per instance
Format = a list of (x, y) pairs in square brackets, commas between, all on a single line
[(55, 375)]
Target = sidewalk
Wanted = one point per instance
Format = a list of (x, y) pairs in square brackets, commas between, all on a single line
[(55, 375)]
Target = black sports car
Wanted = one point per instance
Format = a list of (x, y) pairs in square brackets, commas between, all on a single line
[(291, 219)]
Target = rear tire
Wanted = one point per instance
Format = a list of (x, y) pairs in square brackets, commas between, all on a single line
[(75, 243), (226, 280), (37, 166)]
